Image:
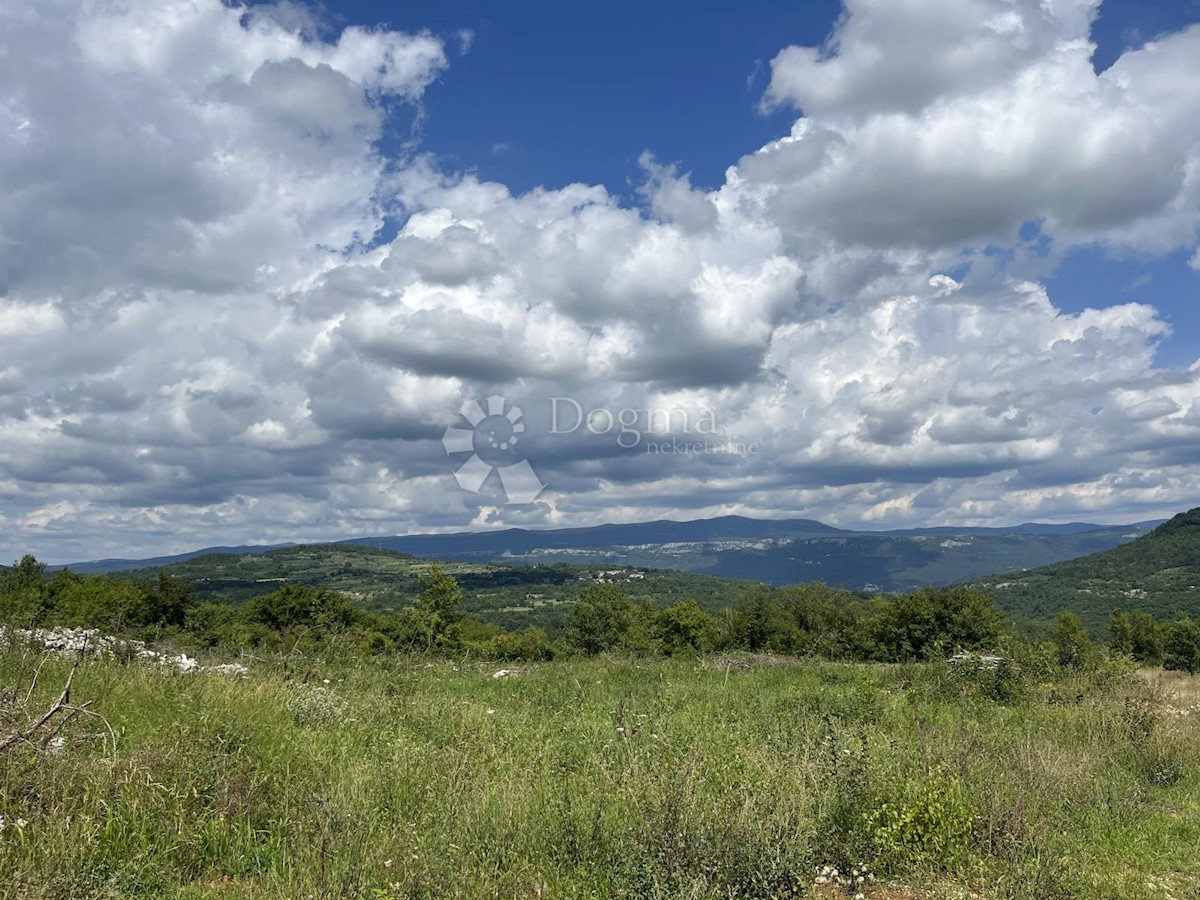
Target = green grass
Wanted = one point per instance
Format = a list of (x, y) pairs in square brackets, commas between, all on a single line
[(597, 778)]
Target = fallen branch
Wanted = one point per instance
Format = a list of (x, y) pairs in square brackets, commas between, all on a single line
[(63, 703)]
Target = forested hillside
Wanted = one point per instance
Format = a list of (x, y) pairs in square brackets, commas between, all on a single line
[(1159, 573)]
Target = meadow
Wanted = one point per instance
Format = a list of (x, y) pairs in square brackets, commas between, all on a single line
[(736, 776)]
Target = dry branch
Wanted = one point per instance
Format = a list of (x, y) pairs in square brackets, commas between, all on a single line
[(32, 729)]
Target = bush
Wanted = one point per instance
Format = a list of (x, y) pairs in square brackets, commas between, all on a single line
[(297, 606), (605, 619), (530, 645), (932, 622), (315, 704), (1075, 649), (1183, 646), (927, 821), (1004, 682), (685, 628)]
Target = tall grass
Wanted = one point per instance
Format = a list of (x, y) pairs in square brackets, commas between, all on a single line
[(596, 778)]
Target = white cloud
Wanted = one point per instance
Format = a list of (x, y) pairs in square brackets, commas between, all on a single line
[(200, 343), (903, 55), (934, 127)]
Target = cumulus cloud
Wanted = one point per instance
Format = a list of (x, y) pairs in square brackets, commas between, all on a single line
[(204, 339), (903, 55), (936, 127)]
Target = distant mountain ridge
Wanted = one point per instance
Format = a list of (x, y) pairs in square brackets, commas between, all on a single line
[(104, 566), (779, 551), (662, 531)]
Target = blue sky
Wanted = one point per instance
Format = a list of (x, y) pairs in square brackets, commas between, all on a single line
[(549, 93), (576, 91)]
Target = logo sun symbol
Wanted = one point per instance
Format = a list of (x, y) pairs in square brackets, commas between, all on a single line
[(492, 440)]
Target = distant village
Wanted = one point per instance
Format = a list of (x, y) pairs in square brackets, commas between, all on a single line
[(612, 576)]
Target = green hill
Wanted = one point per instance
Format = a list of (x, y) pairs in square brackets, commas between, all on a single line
[(779, 551), (1158, 573), (512, 596)]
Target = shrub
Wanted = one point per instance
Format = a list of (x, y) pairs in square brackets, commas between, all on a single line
[(297, 606), (598, 619), (1183, 646), (530, 645), (315, 704), (931, 622), (685, 628), (927, 821), (969, 677), (1075, 649)]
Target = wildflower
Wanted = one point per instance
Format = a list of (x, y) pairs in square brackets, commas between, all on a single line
[(316, 704), (21, 823), (491, 712), (229, 669)]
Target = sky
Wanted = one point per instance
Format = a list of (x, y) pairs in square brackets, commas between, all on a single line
[(884, 264)]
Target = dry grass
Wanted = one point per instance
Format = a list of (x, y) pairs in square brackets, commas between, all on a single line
[(748, 662), (1178, 690)]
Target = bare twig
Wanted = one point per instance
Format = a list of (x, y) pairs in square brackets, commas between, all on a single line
[(36, 673), (22, 735)]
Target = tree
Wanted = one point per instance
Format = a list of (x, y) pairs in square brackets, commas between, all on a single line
[(28, 573), (685, 627), (933, 620), (93, 601), (294, 606), (24, 594), (170, 600), (440, 594), (1183, 646), (1120, 633), (1147, 637), (762, 620), (830, 620), (600, 620), (437, 605), (1074, 647)]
